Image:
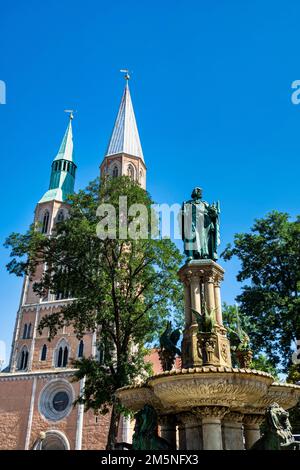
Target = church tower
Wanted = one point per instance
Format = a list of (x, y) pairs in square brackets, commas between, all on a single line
[(124, 154), (31, 351)]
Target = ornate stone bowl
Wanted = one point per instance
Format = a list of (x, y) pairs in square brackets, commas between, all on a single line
[(182, 390)]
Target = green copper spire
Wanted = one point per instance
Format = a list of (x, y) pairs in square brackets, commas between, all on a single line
[(63, 170)]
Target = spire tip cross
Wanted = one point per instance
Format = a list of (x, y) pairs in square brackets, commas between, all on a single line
[(126, 76), (70, 112)]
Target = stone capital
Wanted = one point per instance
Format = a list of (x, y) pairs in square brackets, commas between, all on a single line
[(234, 417), (211, 412), (253, 420), (187, 419)]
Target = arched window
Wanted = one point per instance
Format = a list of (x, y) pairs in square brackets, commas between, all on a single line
[(60, 357), (65, 164), (45, 222), (25, 331), (29, 331), (62, 354), (130, 172), (80, 348), (115, 171), (65, 357), (23, 359), (141, 176), (44, 353), (60, 216)]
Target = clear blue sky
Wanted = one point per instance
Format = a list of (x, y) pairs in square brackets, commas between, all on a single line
[(211, 87)]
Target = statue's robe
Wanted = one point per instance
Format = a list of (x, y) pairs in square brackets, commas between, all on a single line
[(200, 230)]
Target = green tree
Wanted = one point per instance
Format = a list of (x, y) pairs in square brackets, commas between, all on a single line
[(270, 260), (123, 288)]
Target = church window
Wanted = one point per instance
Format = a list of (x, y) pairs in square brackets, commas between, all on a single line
[(60, 216), (65, 357), (25, 331), (44, 353), (62, 354), (60, 401), (115, 171), (55, 400), (59, 358), (29, 331), (130, 172), (23, 361), (65, 164), (80, 348), (45, 222)]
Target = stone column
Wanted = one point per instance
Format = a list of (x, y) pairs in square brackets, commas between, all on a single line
[(195, 296), (212, 426), (218, 304), (209, 293), (233, 431), (252, 424), (181, 436), (192, 427), (168, 429), (187, 305)]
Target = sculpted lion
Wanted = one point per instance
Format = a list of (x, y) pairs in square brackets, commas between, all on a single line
[(145, 435), (278, 435)]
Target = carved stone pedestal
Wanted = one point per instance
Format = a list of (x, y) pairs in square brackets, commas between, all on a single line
[(201, 279)]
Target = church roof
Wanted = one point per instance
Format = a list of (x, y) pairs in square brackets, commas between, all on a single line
[(125, 136), (66, 147), (62, 173)]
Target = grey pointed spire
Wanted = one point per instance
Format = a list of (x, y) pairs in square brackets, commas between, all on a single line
[(125, 136)]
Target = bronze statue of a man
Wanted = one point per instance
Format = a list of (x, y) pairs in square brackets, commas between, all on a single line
[(200, 227)]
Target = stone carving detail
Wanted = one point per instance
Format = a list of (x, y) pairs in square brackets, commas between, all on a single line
[(211, 411), (207, 345), (234, 417), (278, 435), (224, 352), (187, 419), (244, 358)]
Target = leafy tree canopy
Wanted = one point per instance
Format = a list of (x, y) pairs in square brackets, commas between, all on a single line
[(270, 271)]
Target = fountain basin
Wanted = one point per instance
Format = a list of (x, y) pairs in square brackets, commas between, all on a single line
[(182, 390)]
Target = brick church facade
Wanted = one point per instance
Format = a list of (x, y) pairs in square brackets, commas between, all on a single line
[(36, 389)]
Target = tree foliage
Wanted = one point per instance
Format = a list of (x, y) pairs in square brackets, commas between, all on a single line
[(122, 288), (270, 271)]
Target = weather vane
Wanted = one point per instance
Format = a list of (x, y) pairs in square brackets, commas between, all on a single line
[(126, 71), (70, 112)]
